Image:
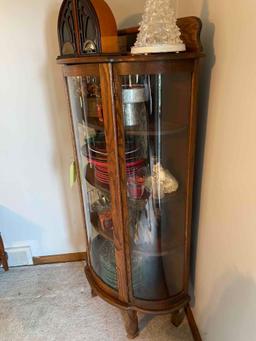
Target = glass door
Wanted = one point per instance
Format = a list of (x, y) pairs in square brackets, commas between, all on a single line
[(155, 115), (85, 95)]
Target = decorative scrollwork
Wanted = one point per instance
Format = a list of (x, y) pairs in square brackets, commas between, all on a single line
[(88, 28), (79, 28), (67, 39)]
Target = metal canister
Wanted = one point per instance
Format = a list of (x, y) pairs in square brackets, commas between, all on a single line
[(134, 99)]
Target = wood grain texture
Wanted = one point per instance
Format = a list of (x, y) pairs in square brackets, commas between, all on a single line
[(118, 58), (66, 14), (63, 258), (129, 30), (190, 174), (76, 13), (131, 324), (111, 296), (161, 306), (93, 293), (156, 67), (75, 16), (86, 17), (80, 70), (108, 27), (190, 28), (178, 317), (111, 136), (192, 324), (123, 180)]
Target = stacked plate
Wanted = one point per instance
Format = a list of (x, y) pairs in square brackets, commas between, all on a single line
[(104, 264), (96, 153)]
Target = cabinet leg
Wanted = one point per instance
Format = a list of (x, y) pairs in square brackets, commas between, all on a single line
[(93, 293), (131, 323), (178, 317)]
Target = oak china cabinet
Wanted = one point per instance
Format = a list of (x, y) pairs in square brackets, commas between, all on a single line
[(134, 124)]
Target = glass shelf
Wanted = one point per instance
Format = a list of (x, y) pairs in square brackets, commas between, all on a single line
[(168, 128)]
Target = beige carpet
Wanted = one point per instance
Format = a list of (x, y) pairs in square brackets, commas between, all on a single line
[(53, 303)]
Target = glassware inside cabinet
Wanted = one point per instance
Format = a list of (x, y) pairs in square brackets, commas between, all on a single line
[(156, 117), (87, 116)]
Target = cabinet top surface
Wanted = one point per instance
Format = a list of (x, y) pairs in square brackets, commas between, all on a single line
[(124, 58)]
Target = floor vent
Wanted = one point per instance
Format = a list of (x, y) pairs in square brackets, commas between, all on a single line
[(19, 256)]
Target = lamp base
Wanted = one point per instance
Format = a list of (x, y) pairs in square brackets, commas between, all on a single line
[(161, 48)]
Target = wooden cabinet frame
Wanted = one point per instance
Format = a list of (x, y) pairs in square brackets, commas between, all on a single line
[(109, 68)]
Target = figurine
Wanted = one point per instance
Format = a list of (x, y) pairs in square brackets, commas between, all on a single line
[(162, 182)]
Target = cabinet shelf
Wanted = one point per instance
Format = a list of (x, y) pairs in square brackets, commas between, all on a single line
[(166, 129), (137, 249), (90, 178)]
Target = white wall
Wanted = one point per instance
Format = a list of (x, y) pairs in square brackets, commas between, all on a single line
[(127, 13), (225, 277), (37, 207)]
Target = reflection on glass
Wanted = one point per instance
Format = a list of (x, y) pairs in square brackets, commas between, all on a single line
[(156, 135), (87, 115)]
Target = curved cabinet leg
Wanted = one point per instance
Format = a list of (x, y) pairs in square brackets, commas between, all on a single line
[(93, 293), (178, 317), (5, 263), (131, 323)]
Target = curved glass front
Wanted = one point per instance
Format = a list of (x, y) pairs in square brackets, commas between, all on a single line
[(156, 111), (87, 116)]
